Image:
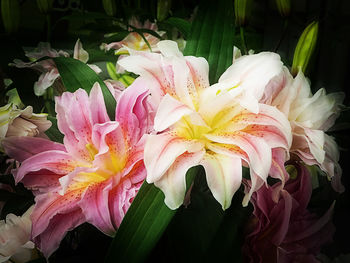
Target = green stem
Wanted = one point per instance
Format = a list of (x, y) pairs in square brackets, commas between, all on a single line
[(243, 41)]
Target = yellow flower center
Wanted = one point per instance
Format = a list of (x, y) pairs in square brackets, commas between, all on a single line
[(187, 130)]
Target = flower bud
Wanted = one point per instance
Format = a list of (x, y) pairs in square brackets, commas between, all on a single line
[(45, 6), (109, 7), (305, 48), (242, 11), (10, 14), (17, 122), (126, 80), (163, 8), (283, 7)]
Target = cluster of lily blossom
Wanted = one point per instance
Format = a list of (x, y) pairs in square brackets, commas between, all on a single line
[(171, 119)]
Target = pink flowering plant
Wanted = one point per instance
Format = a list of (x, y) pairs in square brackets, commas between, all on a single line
[(184, 139)]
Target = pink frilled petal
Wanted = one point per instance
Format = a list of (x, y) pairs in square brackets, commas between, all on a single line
[(78, 178), (171, 73), (161, 152), (42, 181), (257, 150), (199, 71), (48, 206), (224, 176), (190, 74), (270, 124), (55, 161), (281, 213), (77, 131), (22, 148), (173, 182), (97, 105), (278, 120), (133, 110), (112, 148), (49, 240), (136, 154), (148, 66), (122, 194), (94, 204)]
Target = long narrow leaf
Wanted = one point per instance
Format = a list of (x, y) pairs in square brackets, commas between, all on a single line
[(181, 24), (212, 37), (75, 74)]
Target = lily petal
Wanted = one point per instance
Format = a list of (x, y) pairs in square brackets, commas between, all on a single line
[(224, 176), (258, 151), (169, 112), (22, 148), (160, 153), (56, 161), (97, 105), (173, 183), (132, 111), (80, 53), (94, 204), (46, 207), (60, 224)]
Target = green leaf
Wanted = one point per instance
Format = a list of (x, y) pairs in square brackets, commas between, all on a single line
[(54, 133), (181, 24), (76, 74), (143, 225), (212, 37)]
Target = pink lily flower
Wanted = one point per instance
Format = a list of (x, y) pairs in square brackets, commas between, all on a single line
[(284, 231), (220, 127), (94, 175), (310, 117)]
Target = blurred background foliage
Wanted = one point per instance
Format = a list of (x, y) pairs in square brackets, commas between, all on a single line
[(62, 22)]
